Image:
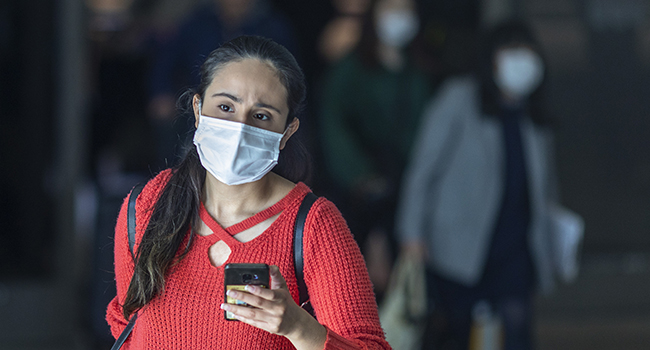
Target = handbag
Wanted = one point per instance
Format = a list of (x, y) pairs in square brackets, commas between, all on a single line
[(301, 217), (567, 232), (403, 313)]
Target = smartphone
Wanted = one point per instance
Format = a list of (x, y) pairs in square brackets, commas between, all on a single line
[(237, 276)]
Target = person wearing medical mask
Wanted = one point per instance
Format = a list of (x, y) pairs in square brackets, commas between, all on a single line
[(478, 190), (518, 72), (371, 104), (342, 33), (234, 198), (396, 24)]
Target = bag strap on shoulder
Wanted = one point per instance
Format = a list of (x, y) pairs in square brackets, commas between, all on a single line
[(125, 333), (305, 206), (131, 225), (130, 215)]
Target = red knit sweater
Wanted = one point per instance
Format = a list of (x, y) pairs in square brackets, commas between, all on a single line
[(187, 314)]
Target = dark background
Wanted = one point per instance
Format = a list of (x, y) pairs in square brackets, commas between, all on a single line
[(69, 89)]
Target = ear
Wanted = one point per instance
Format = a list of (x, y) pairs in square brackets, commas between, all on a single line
[(196, 106), (291, 129)]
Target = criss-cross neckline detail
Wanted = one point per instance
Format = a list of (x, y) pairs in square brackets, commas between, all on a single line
[(227, 234)]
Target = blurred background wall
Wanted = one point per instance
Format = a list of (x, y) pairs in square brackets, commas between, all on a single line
[(74, 139)]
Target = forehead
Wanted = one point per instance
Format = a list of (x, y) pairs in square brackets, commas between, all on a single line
[(249, 78), (245, 69)]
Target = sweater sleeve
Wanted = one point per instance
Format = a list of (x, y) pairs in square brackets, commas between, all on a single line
[(124, 265), (123, 272), (338, 283)]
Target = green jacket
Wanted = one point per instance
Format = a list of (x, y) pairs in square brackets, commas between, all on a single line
[(368, 119)]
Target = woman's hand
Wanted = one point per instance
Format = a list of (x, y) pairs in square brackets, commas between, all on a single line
[(274, 311)]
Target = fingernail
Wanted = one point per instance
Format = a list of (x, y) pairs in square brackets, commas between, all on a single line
[(250, 288), (224, 306), (231, 293)]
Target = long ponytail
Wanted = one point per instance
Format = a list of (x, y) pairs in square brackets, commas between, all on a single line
[(175, 211)]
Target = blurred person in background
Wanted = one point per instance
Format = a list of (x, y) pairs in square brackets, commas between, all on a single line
[(370, 107), (177, 58), (476, 195), (343, 32)]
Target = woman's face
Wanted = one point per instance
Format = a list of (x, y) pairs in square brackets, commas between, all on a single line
[(396, 22), (235, 10), (384, 6), (352, 7), (518, 70), (248, 92)]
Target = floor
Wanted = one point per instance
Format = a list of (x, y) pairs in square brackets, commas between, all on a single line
[(607, 307)]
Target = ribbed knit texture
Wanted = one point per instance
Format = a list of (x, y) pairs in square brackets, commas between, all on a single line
[(187, 314)]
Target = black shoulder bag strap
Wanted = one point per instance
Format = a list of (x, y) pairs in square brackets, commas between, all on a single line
[(130, 215), (305, 206), (130, 218)]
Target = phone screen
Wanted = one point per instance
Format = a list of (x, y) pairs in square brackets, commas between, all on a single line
[(237, 276)]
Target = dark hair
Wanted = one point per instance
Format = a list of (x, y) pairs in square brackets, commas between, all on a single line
[(176, 210), (505, 34)]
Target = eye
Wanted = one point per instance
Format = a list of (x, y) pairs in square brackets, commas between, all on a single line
[(261, 116), (225, 108)]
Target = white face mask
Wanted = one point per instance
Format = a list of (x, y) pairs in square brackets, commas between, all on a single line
[(397, 28), (519, 71), (236, 153)]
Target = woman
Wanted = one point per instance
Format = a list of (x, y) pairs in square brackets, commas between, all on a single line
[(370, 108), (191, 222), (342, 33), (477, 192)]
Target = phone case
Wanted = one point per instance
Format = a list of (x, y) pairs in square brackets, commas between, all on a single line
[(237, 276)]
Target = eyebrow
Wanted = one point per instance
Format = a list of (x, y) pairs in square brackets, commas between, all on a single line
[(224, 94), (264, 105), (238, 100)]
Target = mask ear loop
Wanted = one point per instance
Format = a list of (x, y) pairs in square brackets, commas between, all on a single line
[(200, 111), (284, 133)]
